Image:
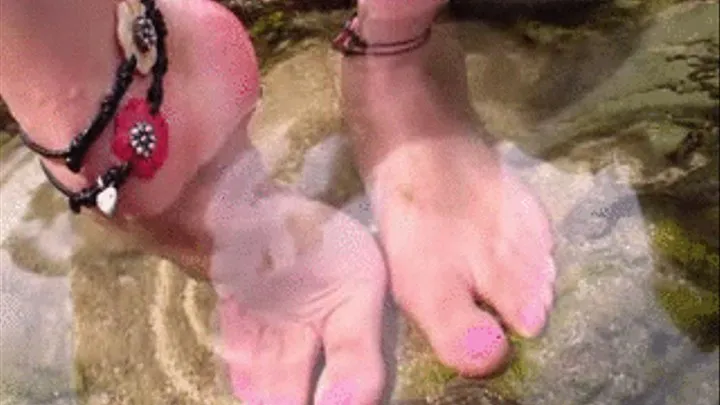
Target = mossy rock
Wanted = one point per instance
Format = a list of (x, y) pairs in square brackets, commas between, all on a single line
[(521, 370), (692, 255), (686, 249), (686, 286), (420, 374), (278, 28), (693, 310), (656, 114)]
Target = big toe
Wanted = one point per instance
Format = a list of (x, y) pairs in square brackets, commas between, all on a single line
[(268, 363), (463, 336)]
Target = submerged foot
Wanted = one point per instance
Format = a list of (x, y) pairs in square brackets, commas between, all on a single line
[(456, 226), (457, 230), (301, 278), (294, 276)]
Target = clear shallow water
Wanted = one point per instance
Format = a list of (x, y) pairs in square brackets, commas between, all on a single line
[(88, 319)]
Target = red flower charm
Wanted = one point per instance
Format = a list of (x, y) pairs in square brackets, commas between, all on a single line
[(141, 138)]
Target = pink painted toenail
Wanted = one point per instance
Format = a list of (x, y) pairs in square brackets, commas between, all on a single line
[(339, 394), (483, 341), (533, 318)]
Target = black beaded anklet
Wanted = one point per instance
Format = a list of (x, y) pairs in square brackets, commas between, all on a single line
[(79, 146), (102, 194), (155, 93), (75, 152), (349, 42), (140, 130)]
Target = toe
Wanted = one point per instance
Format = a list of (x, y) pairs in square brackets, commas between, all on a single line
[(268, 363), (520, 261), (238, 340), (525, 309), (525, 243), (463, 336), (525, 216), (354, 371)]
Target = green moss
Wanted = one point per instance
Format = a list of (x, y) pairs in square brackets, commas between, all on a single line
[(520, 371), (274, 34), (421, 375), (270, 26), (692, 310), (427, 378), (278, 30), (687, 286), (698, 262)]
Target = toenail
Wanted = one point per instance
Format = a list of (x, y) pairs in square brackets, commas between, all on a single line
[(533, 318), (483, 341)]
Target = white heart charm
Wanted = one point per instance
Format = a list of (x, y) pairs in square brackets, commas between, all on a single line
[(106, 201)]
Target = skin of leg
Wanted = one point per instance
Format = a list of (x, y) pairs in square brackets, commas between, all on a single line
[(437, 189), (293, 275)]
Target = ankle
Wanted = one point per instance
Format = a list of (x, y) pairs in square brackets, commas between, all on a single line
[(57, 60), (383, 21)]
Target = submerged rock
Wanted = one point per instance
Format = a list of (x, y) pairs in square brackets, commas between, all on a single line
[(657, 114)]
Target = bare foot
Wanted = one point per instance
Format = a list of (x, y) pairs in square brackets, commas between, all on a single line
[(301, 277), (456, 227), (293, 275)]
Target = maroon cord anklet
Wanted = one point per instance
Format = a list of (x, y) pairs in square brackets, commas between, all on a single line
[(350, 43)]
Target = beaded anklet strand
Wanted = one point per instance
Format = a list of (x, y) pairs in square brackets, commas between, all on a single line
[(102, 194), (141, 133), (75, 152)]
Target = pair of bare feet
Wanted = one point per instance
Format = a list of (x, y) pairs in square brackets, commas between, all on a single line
[(294, 276)]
